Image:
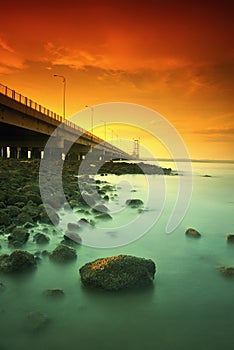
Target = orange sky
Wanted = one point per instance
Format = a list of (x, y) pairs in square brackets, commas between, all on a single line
[(175, 57)]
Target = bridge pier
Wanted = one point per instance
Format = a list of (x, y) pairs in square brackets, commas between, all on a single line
[(36, 153), (3, 152), (13, 152)]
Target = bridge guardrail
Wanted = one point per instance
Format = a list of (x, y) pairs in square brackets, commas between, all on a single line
[(5, 90)]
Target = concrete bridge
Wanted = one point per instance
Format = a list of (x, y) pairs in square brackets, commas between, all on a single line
[(26, 126)]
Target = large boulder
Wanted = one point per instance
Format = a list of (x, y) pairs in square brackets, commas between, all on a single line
[(63, 253), (118, 272), (17, 261)]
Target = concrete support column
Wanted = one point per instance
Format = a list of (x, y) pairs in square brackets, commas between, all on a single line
[(3, 152), (53, 154), (24, 152), (13, 152), (72, 156), (36, 153)]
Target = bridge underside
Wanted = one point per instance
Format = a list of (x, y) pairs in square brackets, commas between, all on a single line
[(16, 142)]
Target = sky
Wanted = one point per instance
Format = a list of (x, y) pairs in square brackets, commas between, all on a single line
[(173, 57)]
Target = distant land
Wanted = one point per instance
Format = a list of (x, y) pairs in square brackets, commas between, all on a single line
[(223, 161)]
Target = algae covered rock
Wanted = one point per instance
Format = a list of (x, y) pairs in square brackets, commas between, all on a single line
[(63, 253), (41, 238), (118, 272), (18, 237), (227, 270), (17, 261)]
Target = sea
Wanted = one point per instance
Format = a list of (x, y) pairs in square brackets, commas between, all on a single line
[(190, 305)]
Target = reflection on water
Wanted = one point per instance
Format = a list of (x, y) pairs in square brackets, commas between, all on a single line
[(190, 305)]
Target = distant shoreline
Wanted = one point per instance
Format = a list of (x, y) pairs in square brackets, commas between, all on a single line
[(221, 161)]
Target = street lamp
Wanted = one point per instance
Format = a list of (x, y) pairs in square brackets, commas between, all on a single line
[(104, 121), (92, 110), (64, 92)]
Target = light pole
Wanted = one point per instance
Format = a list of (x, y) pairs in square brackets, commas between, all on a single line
[(104, 121), (64, 93), (92, 110)]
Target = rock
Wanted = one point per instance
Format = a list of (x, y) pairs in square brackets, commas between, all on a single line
[(227, 270), (18, 237), (118, 272), (54, 293), (230, 238), (55, 201), (22, 219), (40, 238), (13, 210), (87, 199), (17, 261), (83, 221), (134, 203), (100, 208), (72, 237), (191, 232), (72, 226), (45, 253), (52, 218), (36, 321), (4, 218), (63, 253), (34, 198), (15, 198), (104, 216)]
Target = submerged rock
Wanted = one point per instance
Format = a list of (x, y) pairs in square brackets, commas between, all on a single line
[(227, 270), (36, 321), (17, 261), (104, 216), (2, 287), (100, 208), (118, 272), (191, 232), (41, 238), (54, 293), (230, 238), (63, 253), (71, 238), (134, 203), (72, 226)]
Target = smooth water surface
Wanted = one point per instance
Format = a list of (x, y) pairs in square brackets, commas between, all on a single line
[(190, 306)]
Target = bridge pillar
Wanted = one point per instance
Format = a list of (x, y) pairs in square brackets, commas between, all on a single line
[(36, 153), (3, 152), (13, 152), (24, 152)]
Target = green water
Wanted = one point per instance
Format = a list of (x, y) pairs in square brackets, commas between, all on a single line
[(190, 306)]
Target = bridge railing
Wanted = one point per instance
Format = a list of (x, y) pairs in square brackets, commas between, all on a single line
[(5, 90)]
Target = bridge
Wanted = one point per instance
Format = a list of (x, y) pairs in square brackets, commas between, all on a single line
[(26, 126)]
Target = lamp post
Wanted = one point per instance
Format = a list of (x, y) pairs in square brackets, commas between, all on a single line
[(104, 121), (64, 93), (92, 110)]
